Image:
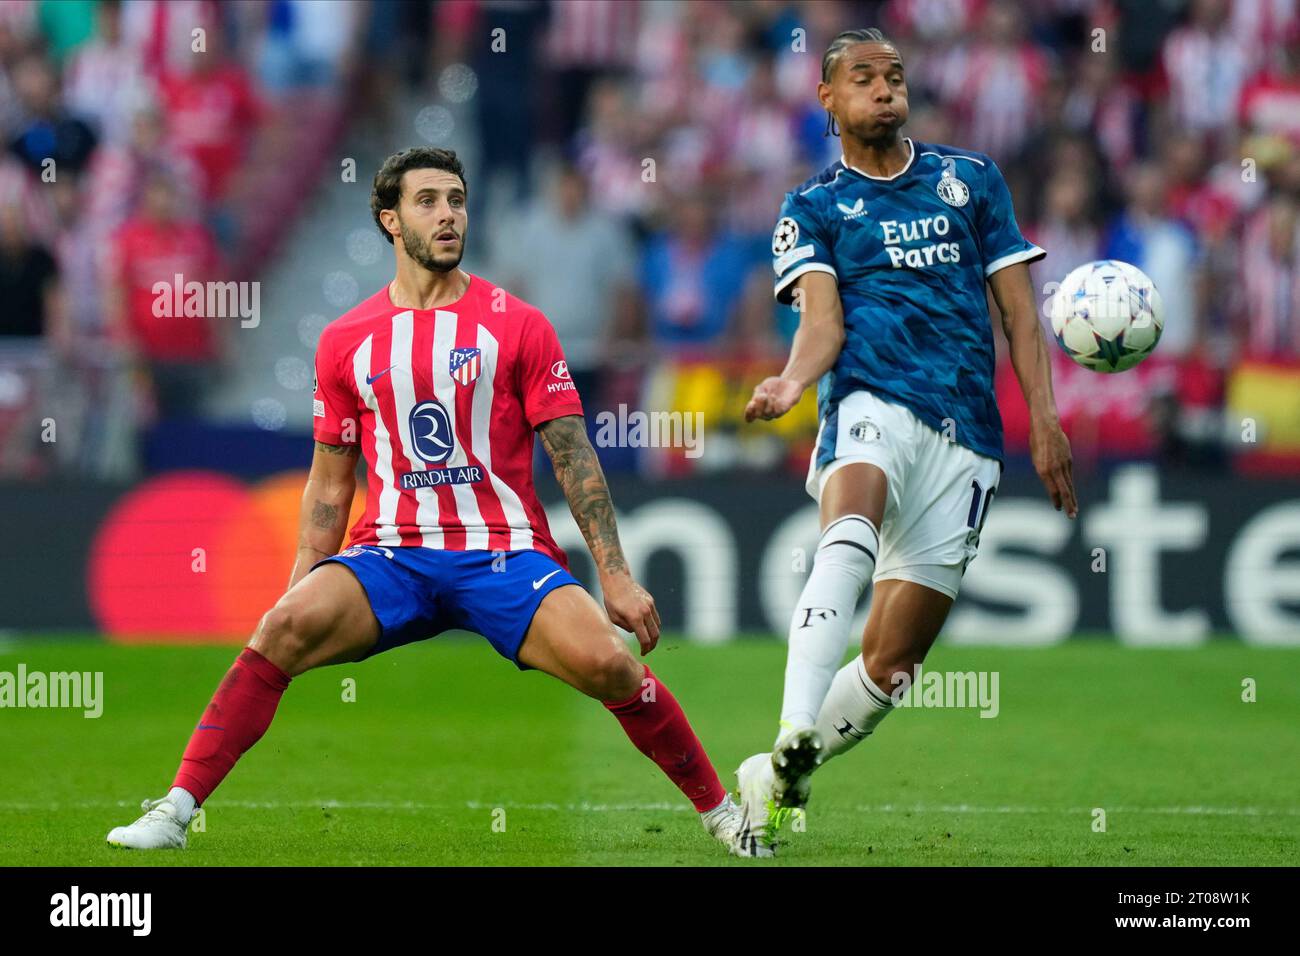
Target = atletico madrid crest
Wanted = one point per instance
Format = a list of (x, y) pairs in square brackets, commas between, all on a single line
[(466, 365)]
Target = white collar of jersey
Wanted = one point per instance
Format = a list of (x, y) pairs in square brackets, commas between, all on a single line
[(884, 179)]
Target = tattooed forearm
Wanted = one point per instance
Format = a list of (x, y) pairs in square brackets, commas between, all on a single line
[(326, 503), (578, 471), (327, 498), (324, 516)]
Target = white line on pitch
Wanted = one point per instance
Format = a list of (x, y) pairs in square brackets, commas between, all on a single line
[(1179, 811), (887, 808)]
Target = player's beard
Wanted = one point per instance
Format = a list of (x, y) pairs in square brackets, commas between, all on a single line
[(421, 250)]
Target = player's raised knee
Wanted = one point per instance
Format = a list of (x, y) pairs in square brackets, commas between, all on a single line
[(882, 666), (285, 635)]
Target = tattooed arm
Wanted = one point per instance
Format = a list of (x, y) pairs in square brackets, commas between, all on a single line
[(578, 471), (326, 501)]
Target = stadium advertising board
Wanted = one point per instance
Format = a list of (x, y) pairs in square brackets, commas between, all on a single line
[(1154, 559)]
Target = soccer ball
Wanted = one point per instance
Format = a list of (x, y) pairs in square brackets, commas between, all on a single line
[(1107, 315)]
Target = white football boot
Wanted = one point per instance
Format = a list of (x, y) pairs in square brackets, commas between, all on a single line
[(755, 786), (161, 828), (728, 825), (774, 787)]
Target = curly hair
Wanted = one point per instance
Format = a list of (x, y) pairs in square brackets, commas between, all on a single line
[(386, 192)]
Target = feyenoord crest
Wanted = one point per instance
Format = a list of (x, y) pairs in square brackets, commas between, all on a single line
[(784, 236), (952, 190), (864, 431), (466, 365)]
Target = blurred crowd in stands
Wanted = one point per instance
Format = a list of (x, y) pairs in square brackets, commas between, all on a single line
[(1165, 134), (139, 147), (630, 159)]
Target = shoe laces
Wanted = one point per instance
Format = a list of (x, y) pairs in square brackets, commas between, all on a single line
[(153, 809), (779, 816)]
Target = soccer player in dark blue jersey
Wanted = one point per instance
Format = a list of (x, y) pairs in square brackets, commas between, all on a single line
[(886, 255)]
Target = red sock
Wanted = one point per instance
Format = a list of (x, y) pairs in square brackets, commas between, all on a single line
[(238, 715), (655, 723)]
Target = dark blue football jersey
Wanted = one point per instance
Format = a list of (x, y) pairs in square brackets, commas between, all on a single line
[(911, 254)]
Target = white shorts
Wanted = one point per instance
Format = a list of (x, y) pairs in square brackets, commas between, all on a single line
[(938, 491)]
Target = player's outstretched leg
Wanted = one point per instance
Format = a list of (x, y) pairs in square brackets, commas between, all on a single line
[(771, 786), (904, 622), (572, 639), (324, 619)]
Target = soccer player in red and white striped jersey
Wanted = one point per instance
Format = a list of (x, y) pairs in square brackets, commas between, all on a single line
[(444, 402), (439, 381)]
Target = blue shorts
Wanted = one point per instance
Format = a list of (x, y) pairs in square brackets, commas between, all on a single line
[(417, 593)]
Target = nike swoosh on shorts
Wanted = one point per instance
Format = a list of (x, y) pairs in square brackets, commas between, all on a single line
[(540, 581)]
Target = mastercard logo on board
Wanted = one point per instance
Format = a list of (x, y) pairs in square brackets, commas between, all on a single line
[(196, 556)]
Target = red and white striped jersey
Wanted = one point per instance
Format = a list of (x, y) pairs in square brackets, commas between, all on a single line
[(443, 403), (592, 33)]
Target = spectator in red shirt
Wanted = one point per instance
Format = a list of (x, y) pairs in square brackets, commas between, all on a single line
[(153, 247), (1270, 103), (1192, 196), (212, 111)]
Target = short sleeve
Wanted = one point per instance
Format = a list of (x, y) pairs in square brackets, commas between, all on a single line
[(545, 383), (334, 407), (1000, 237), (800, 244)]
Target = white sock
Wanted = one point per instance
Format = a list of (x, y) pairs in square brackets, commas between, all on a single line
[(183, 801), (852, 708), (823, 618)]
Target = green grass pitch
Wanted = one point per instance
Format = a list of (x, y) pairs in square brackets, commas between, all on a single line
[(449, 756)]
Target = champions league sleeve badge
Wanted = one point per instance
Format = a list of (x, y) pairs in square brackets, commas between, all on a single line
[(784, 236)]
